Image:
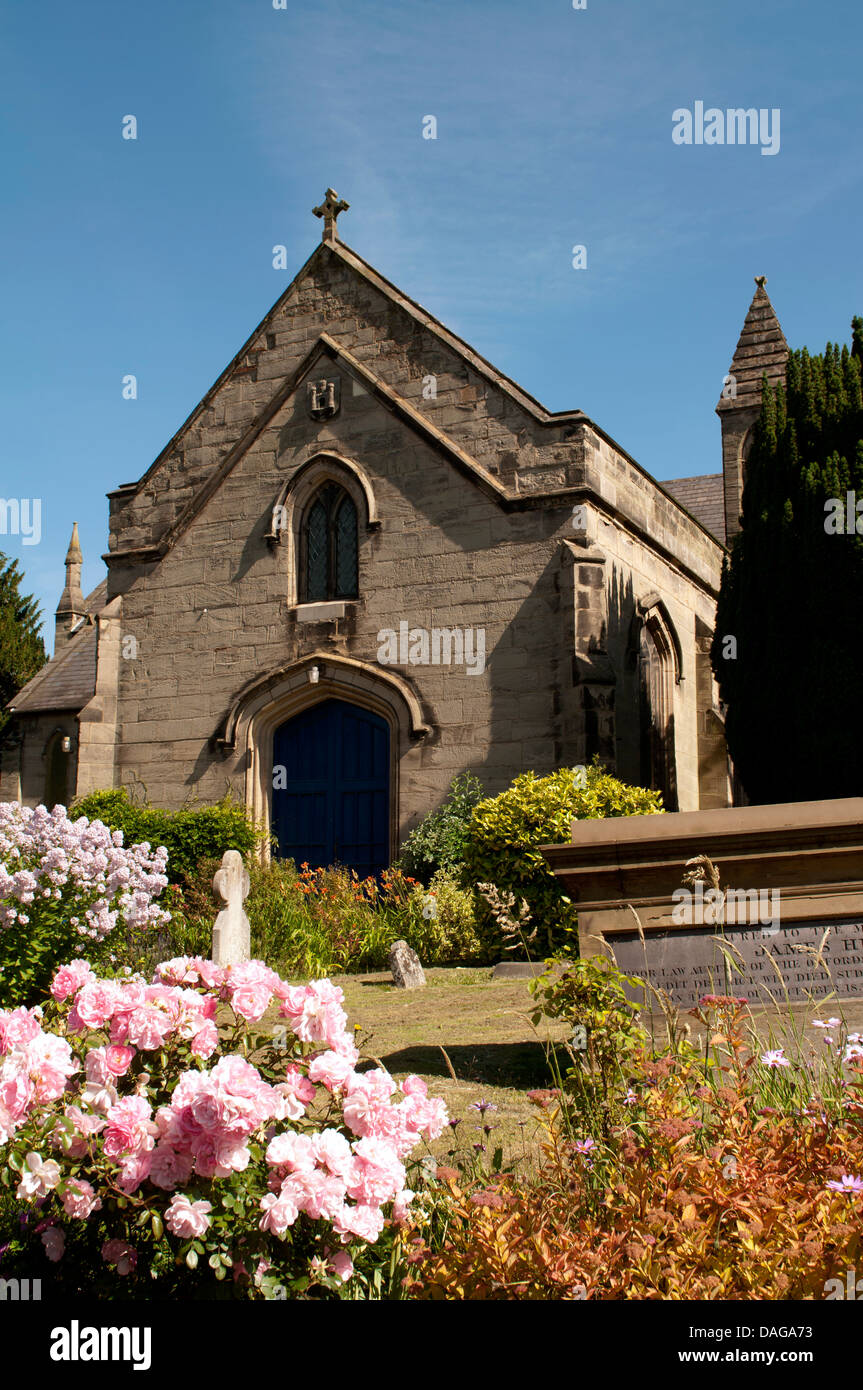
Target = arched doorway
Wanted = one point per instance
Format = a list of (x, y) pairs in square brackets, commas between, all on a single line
[(331, 787), (57, 761)]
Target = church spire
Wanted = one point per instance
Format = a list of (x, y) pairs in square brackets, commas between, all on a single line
[(71, 606), (761, 350)]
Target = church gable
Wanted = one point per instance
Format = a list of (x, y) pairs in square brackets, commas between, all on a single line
[(340, 308), (337, 303)]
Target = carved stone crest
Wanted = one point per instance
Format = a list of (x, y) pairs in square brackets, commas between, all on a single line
[(323, 398)]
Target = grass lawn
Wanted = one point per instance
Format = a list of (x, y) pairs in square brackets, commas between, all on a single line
[(483, 1026)]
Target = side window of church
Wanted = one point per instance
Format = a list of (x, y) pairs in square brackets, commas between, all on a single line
[(330, 546)]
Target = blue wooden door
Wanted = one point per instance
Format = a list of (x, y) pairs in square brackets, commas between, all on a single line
[(334, 808)]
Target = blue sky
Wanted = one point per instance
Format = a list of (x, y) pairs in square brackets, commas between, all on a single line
[(154, 256)]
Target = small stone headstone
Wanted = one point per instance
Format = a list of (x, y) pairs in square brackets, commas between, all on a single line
[(231, 935), (405, 966), (518, 970)]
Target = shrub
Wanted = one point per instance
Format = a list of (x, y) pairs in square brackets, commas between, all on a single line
[(440, 922), (159, 1161), (699, 1192), (439, 841), (189, 836), (506, 831), (607, 1038), (64, 883)]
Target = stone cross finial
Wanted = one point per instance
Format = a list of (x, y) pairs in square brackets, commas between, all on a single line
[(329, 211), (231, 937), (761, 281)]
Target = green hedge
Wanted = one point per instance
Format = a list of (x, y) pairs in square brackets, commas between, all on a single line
[(189, 836), (505, 832)]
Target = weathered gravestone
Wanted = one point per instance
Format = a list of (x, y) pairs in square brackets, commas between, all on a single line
[(231, 936), (405, 966), (518, 970)]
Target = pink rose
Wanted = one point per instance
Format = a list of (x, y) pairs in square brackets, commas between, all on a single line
[(96, 1066), (170, 1168), (50, 1062), (118, 1059), (17, 1094), (251, 1001), (378, 1173), (211, 974), (414, 1086), (364, 1221), (134, 1169), (54, 1242), (358, 1110), (426, 1117), (18, 1027), (130, 1127), (187, 1219), (149, 1028), (341, 1265), (331, 1069), (291, 1149), (332, 1150), (72, 1134), (80, 1199), (96, 1003), (318, 1194), (279, 1214), (117, 1252), (178, 971), (300, 1085), (205, 1040), (70, 978), (401, 1204), (38, 1177)]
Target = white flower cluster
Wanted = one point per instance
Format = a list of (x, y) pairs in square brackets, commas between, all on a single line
[(45, 855)]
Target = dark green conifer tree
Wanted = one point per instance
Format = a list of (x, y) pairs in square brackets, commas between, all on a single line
[(792, 589), (22, 651)]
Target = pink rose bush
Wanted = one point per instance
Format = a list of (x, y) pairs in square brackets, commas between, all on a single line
[(138, 1130), (63, 882)]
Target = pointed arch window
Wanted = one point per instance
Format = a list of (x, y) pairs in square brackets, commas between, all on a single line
[(329, 552), (659, 670)]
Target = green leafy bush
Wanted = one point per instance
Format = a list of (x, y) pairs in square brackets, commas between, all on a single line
[(440, 923), (439, 841), (590, 995), (506, 831), (189, 836)]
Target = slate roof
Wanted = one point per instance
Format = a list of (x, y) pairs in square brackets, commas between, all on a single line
[(704, 497), (68, 680)]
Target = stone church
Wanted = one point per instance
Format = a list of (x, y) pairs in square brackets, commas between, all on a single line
[(369, 561)]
